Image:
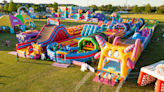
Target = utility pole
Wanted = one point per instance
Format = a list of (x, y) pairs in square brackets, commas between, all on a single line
[(87, 3), (126, 4)]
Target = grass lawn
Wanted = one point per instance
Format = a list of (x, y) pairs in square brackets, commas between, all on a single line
[(39, 76)]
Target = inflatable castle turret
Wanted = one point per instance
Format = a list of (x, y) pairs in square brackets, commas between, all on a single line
[(53, 14), (59, 13), (88, 15), (71, 12), (79, 13), (66, 12)]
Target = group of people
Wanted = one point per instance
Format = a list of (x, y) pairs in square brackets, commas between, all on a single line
[(109, 76), (6, 43)]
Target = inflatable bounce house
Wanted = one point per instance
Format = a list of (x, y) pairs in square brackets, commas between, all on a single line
[(149, 74), (9, 21), (26, 20)]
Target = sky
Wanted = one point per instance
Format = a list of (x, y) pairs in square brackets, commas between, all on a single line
[(96, 2)]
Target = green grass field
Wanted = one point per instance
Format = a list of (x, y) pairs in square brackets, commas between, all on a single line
[(39, 76)]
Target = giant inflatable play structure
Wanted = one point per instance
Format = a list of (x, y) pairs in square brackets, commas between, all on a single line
[(87, 45), (120, 57)]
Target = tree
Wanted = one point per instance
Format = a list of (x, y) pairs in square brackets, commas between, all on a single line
[(153, 9), (159, 10), (18, 5), (121, 9), (36, 8), (74, 5), (117, 9), (140, 9), (1, 8), (55, 6), (148, 8), (102, 7), (63, 5), (94, 7), (12, 6), (27, 5), (6, 7), (109, 7), (50, 5), (135, 9)]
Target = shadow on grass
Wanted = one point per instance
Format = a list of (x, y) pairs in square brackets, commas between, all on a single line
[(4, 76), (144, 87), (100, 87), (161, 22), (2, 84), (34, 63)]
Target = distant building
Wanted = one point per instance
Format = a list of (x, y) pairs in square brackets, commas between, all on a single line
[(4, 2), (122, 12), (84, 9)]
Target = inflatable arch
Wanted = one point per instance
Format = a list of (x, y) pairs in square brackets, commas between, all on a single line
[(18, 10)]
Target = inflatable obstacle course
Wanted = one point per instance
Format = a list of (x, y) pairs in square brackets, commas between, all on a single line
[(120, 57)]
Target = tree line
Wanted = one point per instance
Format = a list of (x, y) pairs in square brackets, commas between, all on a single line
[(134, 9), (37, 8)]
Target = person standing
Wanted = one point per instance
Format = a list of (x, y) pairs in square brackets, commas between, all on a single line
[(2, 43), (119, 77), (110, 78), (6, 43), (99, 77), (25, 54), (17, 57)]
